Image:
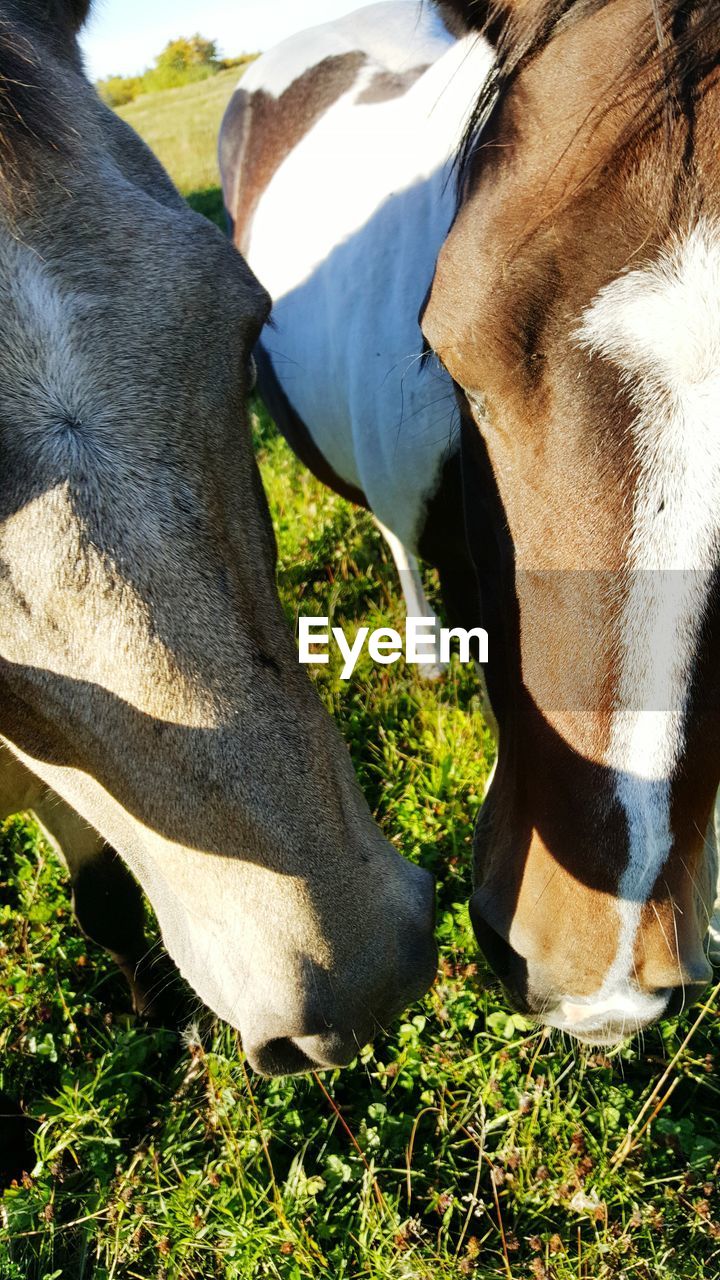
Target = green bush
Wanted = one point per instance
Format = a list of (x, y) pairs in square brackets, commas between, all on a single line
[(186, 52), (119, 90), (186, 60), (173, 77)]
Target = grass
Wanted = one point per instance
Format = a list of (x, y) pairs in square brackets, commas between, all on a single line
[(465, 1143), (181, 126)]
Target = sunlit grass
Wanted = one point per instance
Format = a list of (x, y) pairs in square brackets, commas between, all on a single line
[(181, 126)]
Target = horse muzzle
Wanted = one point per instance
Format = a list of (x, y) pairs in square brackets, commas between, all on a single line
[(342, 1011), (609, 1020)]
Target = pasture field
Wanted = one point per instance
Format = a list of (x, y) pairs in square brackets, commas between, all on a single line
[(465, 1143), (181, 126)]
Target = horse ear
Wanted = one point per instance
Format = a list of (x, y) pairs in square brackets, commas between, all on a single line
[(75, 12), (55, 16)]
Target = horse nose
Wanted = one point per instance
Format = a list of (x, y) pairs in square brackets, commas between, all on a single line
[(505, 961), (680, 998), (609, 1018), (691, 971), (341, 1016), (417, 951), (294, 1055)]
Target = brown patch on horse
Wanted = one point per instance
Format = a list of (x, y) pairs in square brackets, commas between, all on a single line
[(540, 855), (259, 132), (386, 85), (291, 425)]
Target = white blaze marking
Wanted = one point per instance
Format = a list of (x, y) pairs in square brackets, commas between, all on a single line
[(661, 326)]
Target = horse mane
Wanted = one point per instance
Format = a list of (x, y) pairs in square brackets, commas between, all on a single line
[(673, 47), (31, 119)]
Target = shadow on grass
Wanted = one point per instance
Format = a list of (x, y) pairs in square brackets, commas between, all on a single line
[(209, 203), (16, 1148)]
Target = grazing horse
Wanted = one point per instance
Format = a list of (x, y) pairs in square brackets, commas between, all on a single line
[(574, 306), (150, 692)]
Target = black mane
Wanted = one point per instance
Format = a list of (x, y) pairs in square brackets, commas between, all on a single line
[(32, 118), (676, 44)]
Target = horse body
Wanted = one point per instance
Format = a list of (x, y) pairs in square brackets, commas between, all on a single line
[(336, 155), (574, 307), (147, 677)]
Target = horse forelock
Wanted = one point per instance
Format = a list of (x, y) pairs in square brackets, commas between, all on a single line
[(677, 50)]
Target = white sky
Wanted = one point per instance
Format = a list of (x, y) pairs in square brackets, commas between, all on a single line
[(123, 36)]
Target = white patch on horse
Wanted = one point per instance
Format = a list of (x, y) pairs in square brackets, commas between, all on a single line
[(345, 238), (661, 325), (416, 602), (394, 35), (43, 387)]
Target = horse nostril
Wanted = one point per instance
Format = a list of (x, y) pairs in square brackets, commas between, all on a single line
[(295, 1055), (510, 967), (278, 1057)]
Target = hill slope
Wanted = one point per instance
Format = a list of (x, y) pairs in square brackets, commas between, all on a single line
[(181, 126)]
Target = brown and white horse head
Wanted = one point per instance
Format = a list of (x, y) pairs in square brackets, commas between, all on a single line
[(147, 674), (576, 304)]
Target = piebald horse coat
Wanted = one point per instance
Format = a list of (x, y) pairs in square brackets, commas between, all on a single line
[(337, 154)]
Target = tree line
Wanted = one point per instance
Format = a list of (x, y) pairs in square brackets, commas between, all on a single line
[(182, 61)]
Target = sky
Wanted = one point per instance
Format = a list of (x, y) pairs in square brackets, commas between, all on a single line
[(123, 36)]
